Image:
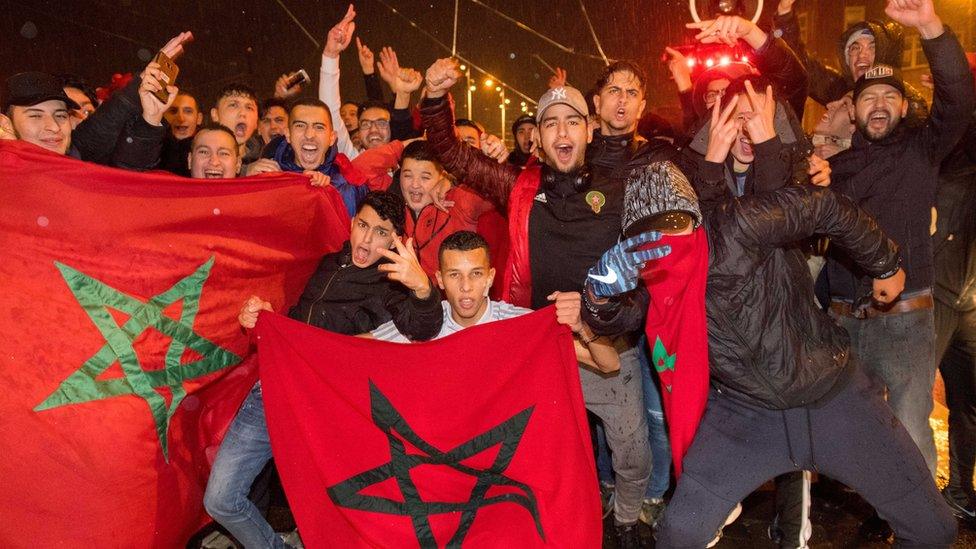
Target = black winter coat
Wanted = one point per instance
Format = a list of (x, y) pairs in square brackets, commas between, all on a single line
[(343, 298), (954, 241), (768, 342), (895, 179)]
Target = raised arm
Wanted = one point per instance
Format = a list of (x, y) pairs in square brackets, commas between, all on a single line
[(335, 43), (953, 99), (488, 178)]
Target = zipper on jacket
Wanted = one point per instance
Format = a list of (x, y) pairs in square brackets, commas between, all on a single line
[(324, 290)]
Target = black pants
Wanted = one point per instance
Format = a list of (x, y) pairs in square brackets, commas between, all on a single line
[(854, 438), (956, 356)]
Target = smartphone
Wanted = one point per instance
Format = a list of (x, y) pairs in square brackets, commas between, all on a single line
[(169, 69), (300, 77)]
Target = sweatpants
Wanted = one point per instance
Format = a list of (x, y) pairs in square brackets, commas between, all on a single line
[(618, 400), (854, 438)]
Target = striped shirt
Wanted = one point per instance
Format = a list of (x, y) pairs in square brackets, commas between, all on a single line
[(497, 310)]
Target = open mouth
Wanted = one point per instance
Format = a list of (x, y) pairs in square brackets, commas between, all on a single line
[(360, 255), (861, 68), (213, 173), (879, 120), (309, 152), (466, 303), (620, 114), (746, 145), (415, 197), (564, 153), (240, 130)]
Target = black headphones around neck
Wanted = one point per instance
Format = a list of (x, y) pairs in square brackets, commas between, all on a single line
[(580, 179)]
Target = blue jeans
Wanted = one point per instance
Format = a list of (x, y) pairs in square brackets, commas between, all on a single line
[(657, 432), (244, 452), (899, 351)]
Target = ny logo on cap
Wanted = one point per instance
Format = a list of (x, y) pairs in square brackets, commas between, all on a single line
[(559, 93), (879, 71)]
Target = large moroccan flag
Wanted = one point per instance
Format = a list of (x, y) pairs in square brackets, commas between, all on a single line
[(476, 440), (677, 333), (119, 294)]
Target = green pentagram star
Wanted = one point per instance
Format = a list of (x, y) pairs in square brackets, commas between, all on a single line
[(508, 434), (96, 298)]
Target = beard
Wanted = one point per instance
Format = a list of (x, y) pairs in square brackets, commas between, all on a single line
[(874, 134)]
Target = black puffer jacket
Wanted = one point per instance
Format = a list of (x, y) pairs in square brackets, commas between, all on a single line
[(769, 344), (346, 299), (829, 84)]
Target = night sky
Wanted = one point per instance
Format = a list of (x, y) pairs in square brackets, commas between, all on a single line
[(255, 40)]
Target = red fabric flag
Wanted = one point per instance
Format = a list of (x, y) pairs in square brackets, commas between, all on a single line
[(120, 339), (480, 437), (677, 335)]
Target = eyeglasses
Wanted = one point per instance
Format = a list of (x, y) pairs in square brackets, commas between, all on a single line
[(380, 124), (713, 95)]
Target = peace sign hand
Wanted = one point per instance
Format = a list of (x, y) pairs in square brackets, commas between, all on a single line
[(759, 123), (405, 268), (723, 131)]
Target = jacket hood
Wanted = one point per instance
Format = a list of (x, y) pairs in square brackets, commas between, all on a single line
[(889, 41)]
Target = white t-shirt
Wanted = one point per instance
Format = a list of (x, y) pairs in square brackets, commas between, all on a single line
[(497, 310)]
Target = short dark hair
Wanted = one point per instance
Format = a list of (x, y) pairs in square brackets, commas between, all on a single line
[(420, 150), (187, 93), (464, 241), (236, 89), (272, 102), (618, 66), (738, 87), (461, 122), (68, 80), (215, 127), (373, 105), (311, 102), (389, 206), (359, 108)]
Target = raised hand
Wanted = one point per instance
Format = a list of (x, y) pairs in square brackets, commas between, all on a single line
[(618, 270), (262, 165), (558, 80), (441, 76), (341, 34), (722, 132), (366, 59), (438, 194), (728, 29), (174, 48), (494, 148), (248, 316), (152, 81), (759, 123), (568, 307), (784, 7), (282, 91), (919, 14), (678, 65), (405, 268)]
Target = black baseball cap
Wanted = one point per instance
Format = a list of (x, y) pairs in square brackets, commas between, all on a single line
[(880, 74), (30, 88), (524, 119)]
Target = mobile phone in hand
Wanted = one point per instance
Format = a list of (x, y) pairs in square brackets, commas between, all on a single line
[(169, 69), (300, 77)]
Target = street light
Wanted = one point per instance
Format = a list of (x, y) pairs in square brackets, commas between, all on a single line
[(489, 82)]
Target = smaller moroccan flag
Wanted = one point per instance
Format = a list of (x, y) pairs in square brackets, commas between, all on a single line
[(476, 440), (677, 334)]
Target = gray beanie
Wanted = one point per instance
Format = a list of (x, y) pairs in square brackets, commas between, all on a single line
[(658, 188)]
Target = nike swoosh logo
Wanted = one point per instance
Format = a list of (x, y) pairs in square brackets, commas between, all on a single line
[(609, 278)]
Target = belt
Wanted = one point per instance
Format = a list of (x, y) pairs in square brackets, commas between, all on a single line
[(843, 308)]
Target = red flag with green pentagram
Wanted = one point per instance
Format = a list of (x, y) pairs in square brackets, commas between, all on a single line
[(677, 333), (121, 349), (475, 440)]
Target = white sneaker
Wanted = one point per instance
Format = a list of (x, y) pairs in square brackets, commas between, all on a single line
[(736, 511)]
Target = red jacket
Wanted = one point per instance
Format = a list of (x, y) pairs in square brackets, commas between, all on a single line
[(431, 226), (512, 189)]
